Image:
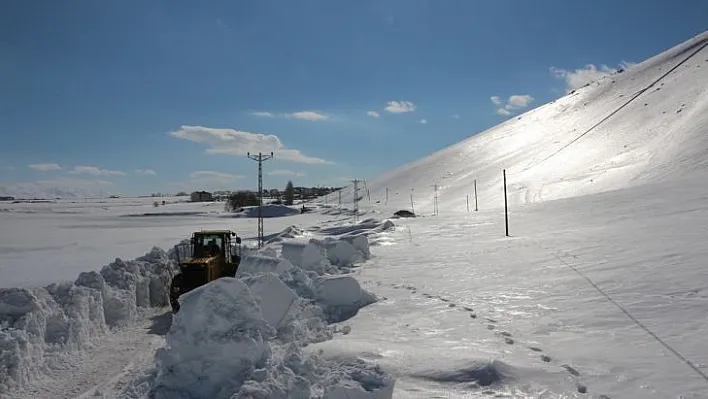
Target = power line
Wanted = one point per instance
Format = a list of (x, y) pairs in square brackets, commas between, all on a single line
[(626, 312), (260, 158), (631, 99)]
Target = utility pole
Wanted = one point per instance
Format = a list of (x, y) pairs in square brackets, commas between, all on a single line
[(356, 198), (435, 199), (260, 158)]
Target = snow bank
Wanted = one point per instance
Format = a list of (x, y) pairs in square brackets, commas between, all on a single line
[(243, 337), (39, 324)]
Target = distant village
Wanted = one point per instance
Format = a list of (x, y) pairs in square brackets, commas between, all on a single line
[(300, 194)]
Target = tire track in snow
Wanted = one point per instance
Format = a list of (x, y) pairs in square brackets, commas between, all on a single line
[(505, 336), (110, 368)]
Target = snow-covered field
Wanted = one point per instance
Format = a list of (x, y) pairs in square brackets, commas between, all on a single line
[(600, 291)]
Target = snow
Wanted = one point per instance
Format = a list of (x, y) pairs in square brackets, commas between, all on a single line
[(599, 291), (40, 324), (244, 336)]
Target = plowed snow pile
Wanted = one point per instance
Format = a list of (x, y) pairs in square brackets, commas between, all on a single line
[(38, 325), (243, 337), (235, 337)]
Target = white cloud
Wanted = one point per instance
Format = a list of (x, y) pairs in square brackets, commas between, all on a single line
[(238, 143), (95, 171), (519, 101), (516, 101), (582, 76), (308, 115), (456, 116), (145, 171), (373, 114), (44, 167), (264, 114), (423, 121), (285, 172), (397, 107), (305, 115)]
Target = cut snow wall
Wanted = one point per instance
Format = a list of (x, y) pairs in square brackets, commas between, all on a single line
[(38, 322)]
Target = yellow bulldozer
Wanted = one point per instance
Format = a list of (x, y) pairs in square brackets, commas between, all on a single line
[(209, 255)]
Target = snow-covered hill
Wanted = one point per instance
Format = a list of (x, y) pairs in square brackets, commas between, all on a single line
[(644, 124)]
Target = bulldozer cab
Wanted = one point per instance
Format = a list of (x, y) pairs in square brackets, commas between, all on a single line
[(210, 254)]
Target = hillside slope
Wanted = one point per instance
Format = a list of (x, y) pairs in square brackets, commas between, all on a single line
[(645, 124)]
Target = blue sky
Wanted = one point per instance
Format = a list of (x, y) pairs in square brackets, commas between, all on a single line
[(134, 97)]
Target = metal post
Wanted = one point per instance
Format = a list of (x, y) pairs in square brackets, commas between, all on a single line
[(260, 158), (386, 196), (412, 208), (356, 199), (475, 195), (435, 199), (468, 202), (506, 207), (340, 198)]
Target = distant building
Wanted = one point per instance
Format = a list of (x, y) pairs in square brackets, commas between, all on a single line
[(201, 196)]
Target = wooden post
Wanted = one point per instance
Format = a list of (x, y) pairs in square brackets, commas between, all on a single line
[(386, 195), (506, 207), (468, 202), (412, 208)]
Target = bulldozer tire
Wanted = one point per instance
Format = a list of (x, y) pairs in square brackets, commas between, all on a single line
[(175, 292)]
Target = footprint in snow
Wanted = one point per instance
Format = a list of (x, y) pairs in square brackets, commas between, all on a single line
[(451, 305), (571, 370), (546, 358), (504, 333), (509, 341), (490, 327), (535, 349)]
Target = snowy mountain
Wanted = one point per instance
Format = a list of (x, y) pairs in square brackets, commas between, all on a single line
[(644, 124), (47, 190)]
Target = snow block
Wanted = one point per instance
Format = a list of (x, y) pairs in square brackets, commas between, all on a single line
[(341, 296), (292, 251), (338, 290), (307, 256), (218, 338), (273, 296), (259, 264)]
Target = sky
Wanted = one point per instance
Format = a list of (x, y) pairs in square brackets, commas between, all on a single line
[(134, 97)]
